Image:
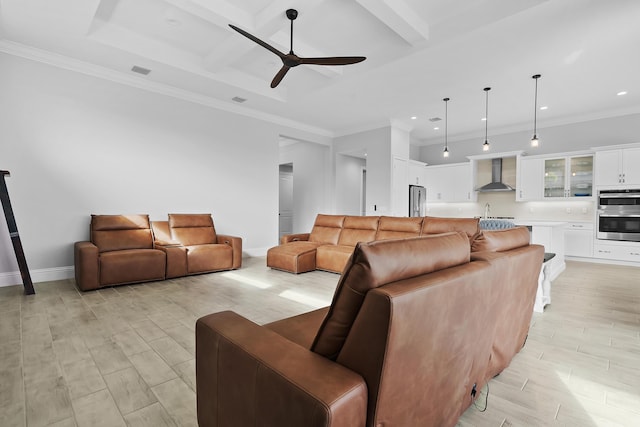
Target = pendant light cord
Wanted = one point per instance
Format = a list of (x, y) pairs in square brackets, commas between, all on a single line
[(486, 115), (446, 121), (535, 106)]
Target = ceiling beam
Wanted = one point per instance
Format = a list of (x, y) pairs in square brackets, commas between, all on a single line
[(400, 18)]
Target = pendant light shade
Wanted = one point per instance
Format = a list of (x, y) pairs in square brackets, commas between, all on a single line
[(534, 140), (485, 146), (445, 153)]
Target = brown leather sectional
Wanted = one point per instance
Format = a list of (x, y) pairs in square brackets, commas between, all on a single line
[(416, 329), (333, 238), (127, 249)]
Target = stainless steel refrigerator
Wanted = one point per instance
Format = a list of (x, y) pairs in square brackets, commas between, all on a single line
[(417, 200)]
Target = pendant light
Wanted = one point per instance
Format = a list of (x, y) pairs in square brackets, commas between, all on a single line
[(445, 153), (485, 146), (534, 140)]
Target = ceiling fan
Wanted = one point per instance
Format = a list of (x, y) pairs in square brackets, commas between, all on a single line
[(291, 59)]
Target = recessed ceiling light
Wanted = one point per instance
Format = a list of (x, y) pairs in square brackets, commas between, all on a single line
[(413, 117), (238, 99), (544, 107), (435, 119), (624, 92), (484, 119), (436, 128)]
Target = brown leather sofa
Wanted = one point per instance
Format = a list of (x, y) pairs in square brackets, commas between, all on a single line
[(130, 249), (120, 251), (415, 330), (333, 238), (193, 246)]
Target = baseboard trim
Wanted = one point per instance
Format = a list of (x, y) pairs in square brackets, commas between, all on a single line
[(41, 275)]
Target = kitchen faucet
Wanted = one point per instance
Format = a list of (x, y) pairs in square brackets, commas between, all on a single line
[(487, 210)]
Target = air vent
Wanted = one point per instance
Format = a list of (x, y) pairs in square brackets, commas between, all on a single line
[(238, 99), (435, 119), (140, 70)]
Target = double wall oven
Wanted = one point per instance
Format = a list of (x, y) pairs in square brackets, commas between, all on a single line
[(618, 216)]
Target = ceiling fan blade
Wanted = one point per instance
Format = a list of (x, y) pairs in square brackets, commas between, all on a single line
[(335, 60), (258, 41), (278, 78)]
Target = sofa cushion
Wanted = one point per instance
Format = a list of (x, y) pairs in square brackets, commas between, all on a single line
[(121, 232), (192, 229), (377, 263), (131, 266), (435, 225), (294, 257), (501, 240), (327, 229), (390, 227), (204, 258), (358, 229), (333, 257)]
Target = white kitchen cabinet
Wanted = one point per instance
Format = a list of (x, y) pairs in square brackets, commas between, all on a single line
[(619, 251), (450, 183), (417, 173), (529, 179), (578, 239), (618, 167), (568, 177)]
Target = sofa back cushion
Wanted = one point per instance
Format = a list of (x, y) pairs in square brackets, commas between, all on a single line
[(358, 229), (435, 225), (192, 229), (120, 232), (327, 229), (501, 240), (390, 227), (375, 264)]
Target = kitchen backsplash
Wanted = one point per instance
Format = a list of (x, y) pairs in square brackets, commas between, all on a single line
[(504, 205)]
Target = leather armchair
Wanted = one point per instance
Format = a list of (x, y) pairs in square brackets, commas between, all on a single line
[(120, 251)]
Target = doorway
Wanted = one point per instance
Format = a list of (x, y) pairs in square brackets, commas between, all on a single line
[(285, 200)]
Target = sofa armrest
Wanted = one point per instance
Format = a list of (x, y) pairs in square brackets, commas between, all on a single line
[(236, 244), (176, 257), (248, 375), (160, 244), (85, 255), (294, 238)]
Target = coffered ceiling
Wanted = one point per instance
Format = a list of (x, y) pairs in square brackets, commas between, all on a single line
[(418, 52)]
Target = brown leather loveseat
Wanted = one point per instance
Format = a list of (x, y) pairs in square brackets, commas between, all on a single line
[(333, 238), (415, 330), (130, 249)]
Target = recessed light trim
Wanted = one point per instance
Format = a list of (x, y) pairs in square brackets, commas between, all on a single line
[(238, 99), (622, 93), (544, 107), (436, 128), (413, 117)]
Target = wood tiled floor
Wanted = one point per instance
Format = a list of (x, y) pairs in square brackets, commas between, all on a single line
[(125, 355)]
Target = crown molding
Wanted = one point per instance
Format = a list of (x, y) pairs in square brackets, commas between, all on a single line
[(78, 66)]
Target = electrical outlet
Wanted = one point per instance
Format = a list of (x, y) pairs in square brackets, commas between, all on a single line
[(568, 210), (584, 210), (530, 210)]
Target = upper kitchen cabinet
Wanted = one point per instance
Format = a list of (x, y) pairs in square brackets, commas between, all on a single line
[(618, 167), (529, 178), (568, 177), (450, 183), (417, 173)]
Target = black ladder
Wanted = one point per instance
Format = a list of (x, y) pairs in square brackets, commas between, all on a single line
[(15, 237)]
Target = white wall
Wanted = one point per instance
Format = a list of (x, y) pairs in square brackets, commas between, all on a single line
[(553, 139), (77, 145), (310, 190), (349, 184), (377, 144)]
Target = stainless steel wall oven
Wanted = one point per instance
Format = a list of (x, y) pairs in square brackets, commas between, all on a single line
[(618, 215)]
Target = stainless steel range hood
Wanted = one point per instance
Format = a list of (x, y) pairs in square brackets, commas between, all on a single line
[(496, 183)]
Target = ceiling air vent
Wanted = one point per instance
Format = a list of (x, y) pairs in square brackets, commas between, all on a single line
[(140, 70), (435, 119), (238, 99)]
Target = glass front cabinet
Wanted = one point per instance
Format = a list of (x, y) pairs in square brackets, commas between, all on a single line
[(568, 177)]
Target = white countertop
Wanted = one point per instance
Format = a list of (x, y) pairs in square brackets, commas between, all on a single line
[(540, 223)]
